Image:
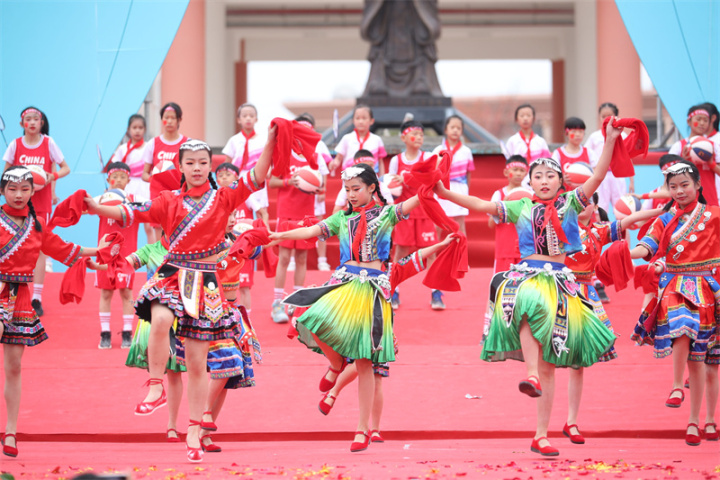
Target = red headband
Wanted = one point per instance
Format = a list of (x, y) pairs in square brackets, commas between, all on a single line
[(117, 169), (30, 110), (699, 111), (667, 165), (169, 107), (516, 165), (364, 159), (410, 129), (305, 123)]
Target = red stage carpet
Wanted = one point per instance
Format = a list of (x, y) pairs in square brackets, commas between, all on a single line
[(77, 406)]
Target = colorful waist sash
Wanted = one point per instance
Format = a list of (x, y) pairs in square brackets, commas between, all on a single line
[(346, 273), (16, 278), (564, 281)]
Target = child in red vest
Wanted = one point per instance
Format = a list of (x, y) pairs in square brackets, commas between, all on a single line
[(36, 148), (293, 206), (118, 179), (573, 151), (418, 231), (698, 120)]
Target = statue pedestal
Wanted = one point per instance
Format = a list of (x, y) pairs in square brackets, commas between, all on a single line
[(377, 101)]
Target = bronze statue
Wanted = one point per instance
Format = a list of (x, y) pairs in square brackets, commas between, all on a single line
[(402, 56)]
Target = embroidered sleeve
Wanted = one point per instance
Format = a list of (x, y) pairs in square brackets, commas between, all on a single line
[(578, 200), (607, 232), (152, 211), (397, 213), (331, 225), (59, 249), (405, 268), (651, 240), (236, 194), (135, 261), (509, 212)]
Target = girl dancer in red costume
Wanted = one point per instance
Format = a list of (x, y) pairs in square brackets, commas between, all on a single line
[(186, 285), (22, 238), (681, 320)]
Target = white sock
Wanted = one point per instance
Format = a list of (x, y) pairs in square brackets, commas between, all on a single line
[(279, 294), (297, 287), (105, 321), (37, 291), (322, 259), (127, 323)]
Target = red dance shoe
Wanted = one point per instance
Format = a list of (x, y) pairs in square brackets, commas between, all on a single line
[(325, 384), (210, 447), (687, 382), (675, 402), (578, 439), (360, 446), (209, 426), (711, 436), (375, 436), (175, 439), (7, 449), (325, 407), (531, 386), (690, 439), (147, 408), (547, 451), (194, 455)]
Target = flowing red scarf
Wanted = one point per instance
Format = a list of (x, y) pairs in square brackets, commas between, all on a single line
[(670, 229), (292, 136), (246, 153), (527, 144), (361, 230), (551, 216), (112, 257), (635, 144), (362, 142), (68, 212), (16, 212), (451, 264), (131, 147)]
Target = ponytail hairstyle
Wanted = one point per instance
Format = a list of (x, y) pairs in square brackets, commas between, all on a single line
[(31, 212), (45, 127), (680, 168), (601, 211), (173, 106), (17, 174), (367, 175)]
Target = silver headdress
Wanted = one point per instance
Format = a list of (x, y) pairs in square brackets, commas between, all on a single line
[(678, 168), (17, 175), (195, 145), (351, 172), (548, 162)]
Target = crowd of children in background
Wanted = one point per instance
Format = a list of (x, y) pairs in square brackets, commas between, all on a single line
[(538, 181)]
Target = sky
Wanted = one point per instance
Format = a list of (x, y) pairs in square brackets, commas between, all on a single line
[(319, 81)]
